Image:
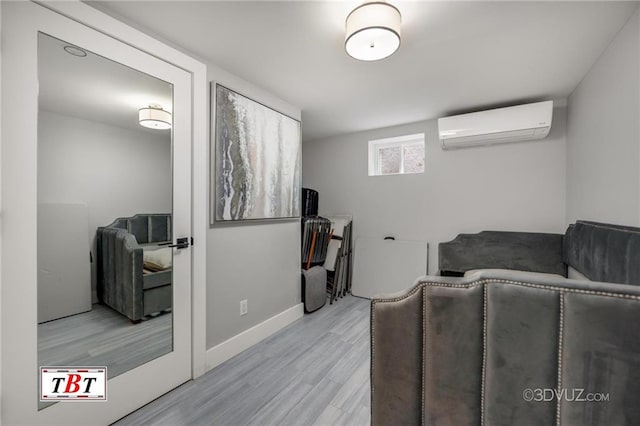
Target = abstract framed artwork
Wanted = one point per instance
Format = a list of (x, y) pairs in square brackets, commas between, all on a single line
[(257, 160)]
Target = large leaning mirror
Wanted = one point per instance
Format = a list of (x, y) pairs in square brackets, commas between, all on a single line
[(104, 211)]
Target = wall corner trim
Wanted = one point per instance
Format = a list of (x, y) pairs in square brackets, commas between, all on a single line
[(233, 346)]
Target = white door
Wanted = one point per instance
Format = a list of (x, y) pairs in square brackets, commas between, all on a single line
[(23, 24)]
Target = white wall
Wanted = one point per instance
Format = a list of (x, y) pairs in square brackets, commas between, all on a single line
[(603, 135), (519, 187), (117, 172), (256, 261)]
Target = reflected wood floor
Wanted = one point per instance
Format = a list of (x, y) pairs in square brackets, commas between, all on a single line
[(102, 336), (313, 372)]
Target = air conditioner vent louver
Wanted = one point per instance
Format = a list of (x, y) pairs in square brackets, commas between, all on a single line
[(502, 125)]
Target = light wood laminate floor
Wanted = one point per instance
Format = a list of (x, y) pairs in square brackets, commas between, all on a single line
[(102, 336), (313, 372)]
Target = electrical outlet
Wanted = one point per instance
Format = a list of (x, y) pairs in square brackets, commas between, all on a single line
[(243, 307)]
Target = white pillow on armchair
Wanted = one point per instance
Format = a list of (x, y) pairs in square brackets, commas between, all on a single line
[(158, 260)]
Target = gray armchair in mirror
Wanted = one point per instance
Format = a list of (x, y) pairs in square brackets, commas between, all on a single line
[(134, 265)]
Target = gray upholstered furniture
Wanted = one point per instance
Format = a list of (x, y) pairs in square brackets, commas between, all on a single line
[(599, 251), (122, 282), (527, 251), (314, 288), (494, 347)]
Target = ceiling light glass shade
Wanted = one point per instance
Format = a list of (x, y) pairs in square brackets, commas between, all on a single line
[(154, 117), (373, 31)]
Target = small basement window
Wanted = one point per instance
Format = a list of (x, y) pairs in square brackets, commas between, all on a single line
[(397, 156)]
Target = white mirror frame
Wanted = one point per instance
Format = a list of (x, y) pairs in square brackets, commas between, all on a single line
[(19, 112)]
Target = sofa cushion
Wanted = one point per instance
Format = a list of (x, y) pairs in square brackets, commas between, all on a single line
[(139, 227), (159, 228), (604, 252), (158, 260), (523, 274), (574, 274)]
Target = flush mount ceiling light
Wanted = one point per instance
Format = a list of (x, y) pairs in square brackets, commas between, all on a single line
[(373, 31), (75, 51), (154, 117)]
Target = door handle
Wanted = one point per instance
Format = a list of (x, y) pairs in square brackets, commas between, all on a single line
[(181, 243)]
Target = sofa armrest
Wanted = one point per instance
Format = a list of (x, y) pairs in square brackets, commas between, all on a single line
[(120, 272), (130, 283), (396, 358), (467, 350)]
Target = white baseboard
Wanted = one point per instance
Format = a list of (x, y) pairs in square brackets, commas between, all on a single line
[(233, 346)]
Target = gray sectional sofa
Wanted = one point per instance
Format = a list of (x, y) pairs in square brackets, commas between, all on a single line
[(123, 284), (515, 347)]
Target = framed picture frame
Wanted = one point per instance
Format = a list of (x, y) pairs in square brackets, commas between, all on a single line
[(256, 160)]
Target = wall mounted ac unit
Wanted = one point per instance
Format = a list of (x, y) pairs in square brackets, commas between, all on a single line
[(511, 124)]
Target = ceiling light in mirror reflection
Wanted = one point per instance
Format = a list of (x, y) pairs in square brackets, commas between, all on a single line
[(94, 88), (75, 51), (154, 117)]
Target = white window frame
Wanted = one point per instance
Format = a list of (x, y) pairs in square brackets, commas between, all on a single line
[(399, 141)]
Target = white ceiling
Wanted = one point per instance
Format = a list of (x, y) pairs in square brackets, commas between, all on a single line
[(95, 88), (454, 56)]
